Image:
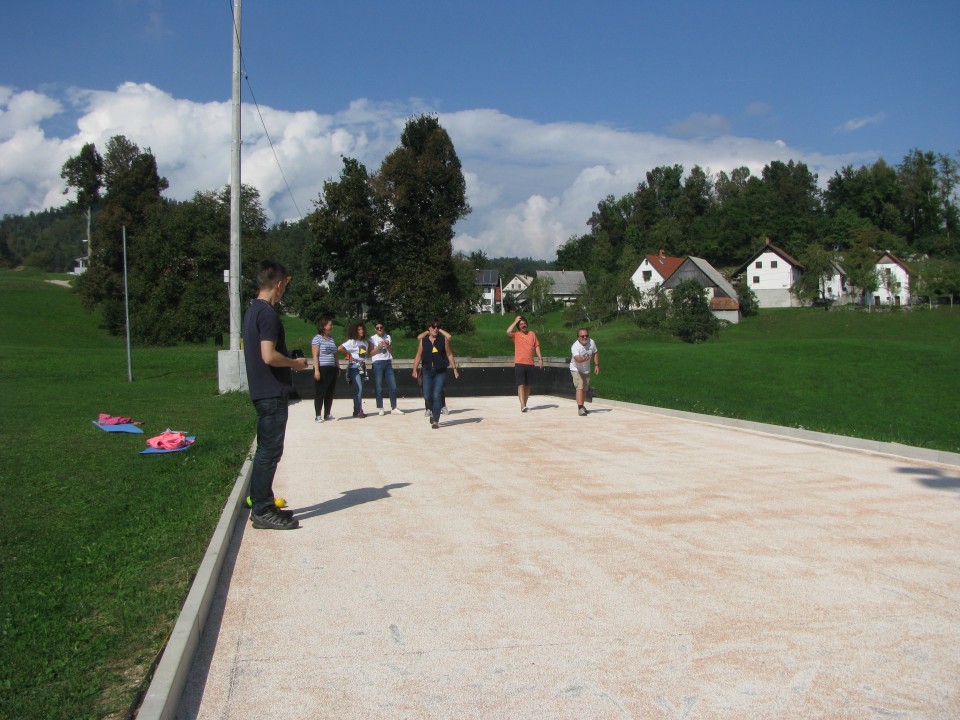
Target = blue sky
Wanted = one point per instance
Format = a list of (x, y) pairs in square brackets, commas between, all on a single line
[(551, 105)]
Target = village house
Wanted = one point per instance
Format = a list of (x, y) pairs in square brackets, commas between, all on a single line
[(488, 281), (893, 282), (723, 299), (770, 274), (566, 285), (653, 270)]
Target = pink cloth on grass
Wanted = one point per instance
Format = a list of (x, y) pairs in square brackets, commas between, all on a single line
[(105, 419), (169, 440)]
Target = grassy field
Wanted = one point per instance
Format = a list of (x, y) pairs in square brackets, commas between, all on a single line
[(98, 544)]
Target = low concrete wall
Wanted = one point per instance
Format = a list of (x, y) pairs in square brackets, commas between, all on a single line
[(479, 377)]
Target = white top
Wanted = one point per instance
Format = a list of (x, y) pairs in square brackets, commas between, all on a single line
[(375, 342), (357, 350), (579, 348)]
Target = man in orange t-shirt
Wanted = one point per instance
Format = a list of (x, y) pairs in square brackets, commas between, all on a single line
[(525, 344)]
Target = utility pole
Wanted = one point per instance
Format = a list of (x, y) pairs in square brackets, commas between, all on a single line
[(231, 370)]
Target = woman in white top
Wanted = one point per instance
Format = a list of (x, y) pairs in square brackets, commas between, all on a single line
[(356, 348), (326, 369), (381, 350)]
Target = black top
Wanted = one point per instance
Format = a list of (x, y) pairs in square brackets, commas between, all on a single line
[(434, 355), (261, 322)]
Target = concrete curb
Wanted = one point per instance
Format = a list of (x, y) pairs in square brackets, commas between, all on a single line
[(873, 446), (166, 687)]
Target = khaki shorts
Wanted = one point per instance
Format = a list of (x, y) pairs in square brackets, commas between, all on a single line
[(581, 381)]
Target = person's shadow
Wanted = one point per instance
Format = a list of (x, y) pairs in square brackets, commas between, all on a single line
[(348, 499), (934, 478)]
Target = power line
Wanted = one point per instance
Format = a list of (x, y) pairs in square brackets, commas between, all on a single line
[(260, 115)]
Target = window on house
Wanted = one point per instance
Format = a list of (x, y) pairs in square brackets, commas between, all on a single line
[(756, 279), (773, 263), (647, 274), (758, 264)]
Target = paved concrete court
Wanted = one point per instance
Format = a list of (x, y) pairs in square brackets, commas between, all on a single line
[(622, 565)]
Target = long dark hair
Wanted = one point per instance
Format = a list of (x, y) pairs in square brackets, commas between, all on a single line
[(353, 332)]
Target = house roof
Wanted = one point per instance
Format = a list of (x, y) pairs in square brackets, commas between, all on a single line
[(565, 282), (724, 303), (694, 265), (664, 264), (487, 277), (769, 247), (895, 260)]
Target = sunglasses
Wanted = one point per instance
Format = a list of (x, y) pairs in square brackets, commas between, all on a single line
[(584, 336), (379, 327)]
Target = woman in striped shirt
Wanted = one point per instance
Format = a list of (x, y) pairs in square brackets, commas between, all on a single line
[(326, 369)]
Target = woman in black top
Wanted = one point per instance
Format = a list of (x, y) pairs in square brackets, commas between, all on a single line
[(436, 355)]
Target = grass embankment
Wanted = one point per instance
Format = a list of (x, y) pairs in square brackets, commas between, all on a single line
[(98, 544)]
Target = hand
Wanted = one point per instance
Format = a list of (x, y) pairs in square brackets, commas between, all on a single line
[(456, 373), (299, 363), (596, 369)]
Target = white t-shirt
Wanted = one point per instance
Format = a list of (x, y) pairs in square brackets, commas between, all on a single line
[(357, 350), (579, 349), (375, 342)]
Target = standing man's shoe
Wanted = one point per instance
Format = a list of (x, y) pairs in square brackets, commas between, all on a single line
[(273, 519)]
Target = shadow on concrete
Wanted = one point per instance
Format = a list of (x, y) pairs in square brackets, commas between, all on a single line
[(349, 499), (465, 421), (933, 478)]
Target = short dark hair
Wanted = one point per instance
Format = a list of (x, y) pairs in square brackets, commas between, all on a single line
[(269, 274), (321, 323)]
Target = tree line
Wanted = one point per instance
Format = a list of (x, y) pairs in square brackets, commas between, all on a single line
[(910, 210), (380, 243)]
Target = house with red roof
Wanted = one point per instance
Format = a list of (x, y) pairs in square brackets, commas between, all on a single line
[(654, 270)]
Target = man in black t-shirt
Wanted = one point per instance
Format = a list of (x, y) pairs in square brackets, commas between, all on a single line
[(270, 381)]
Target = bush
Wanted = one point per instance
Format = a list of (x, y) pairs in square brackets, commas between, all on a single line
[(691, 320)]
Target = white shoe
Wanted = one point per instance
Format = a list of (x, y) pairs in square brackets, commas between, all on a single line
[(319, 418), (329, 418), (426, 413), (443, 410), (380, 411), (396, 411)]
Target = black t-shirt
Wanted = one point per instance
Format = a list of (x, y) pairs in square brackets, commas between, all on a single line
[(261, 322)]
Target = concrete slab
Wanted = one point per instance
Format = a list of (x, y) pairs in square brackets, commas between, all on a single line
[(621, 565)]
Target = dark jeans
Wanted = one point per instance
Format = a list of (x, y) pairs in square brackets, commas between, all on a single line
[(324, 390), (383, 368), (271, 430), (433, 390), (356, 382)]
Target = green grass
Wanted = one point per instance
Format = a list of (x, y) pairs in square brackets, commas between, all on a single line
[(98, 544)]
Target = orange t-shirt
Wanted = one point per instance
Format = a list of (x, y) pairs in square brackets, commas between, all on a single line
[(523, 347)]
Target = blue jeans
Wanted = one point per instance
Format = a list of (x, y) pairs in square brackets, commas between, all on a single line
[(433, 391), (271, 430), (381, 368), (356, 382)]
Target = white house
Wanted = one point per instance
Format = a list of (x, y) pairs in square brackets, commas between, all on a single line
[(770, 274), (653, 271), (517, 288), (723, 299), (489, 283), (893, 282)]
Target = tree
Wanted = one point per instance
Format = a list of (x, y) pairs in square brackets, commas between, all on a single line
[(422, 192), (84, 173), (818, 269), (860, 266), (749, 305), (691, 319)]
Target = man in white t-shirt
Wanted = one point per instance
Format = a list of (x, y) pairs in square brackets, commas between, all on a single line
[(580, 354)]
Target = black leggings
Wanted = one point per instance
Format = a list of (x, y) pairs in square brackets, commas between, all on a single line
[(324, 389)]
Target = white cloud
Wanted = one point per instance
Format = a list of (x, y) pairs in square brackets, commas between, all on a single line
[(859, 123), (531, 185)]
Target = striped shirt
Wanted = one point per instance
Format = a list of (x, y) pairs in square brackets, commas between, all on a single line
[(326, 350)]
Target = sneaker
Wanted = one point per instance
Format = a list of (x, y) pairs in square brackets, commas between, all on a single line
[(396, 411), (443, 410), (274, 519), (319, 418), (581, 410), (435, 425), (426, 413), (380, 411), (361, 414), (523, 409), (329, 418)]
